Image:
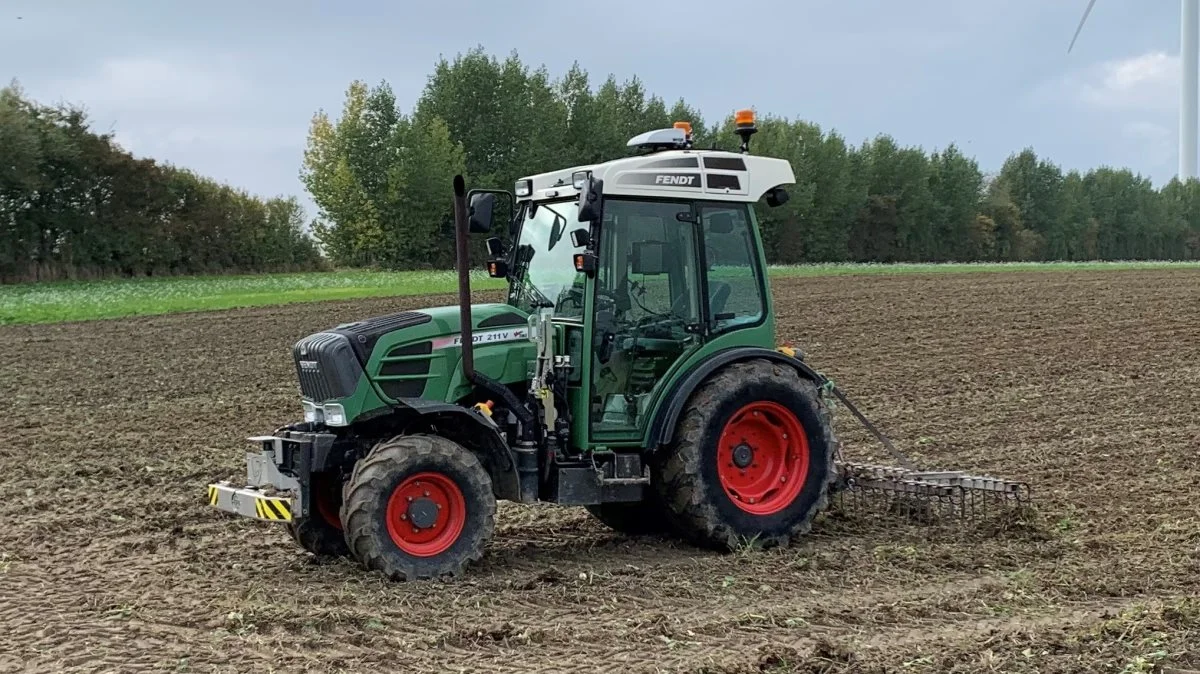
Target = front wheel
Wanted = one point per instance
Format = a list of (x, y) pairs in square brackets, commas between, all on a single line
[(321, 532), (418, 507), (752, 458)]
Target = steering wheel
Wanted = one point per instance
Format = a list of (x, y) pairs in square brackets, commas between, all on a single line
[(651, 324), (575, 295), (608, 295)]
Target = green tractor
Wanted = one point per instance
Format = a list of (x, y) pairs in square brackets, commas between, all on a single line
[(633, 370)]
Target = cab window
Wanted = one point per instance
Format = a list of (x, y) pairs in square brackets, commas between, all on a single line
[(731, 262)]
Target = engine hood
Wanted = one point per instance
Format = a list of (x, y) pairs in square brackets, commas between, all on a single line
[(412, 354), (440, 325)]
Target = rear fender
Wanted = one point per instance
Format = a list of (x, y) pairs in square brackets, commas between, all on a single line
[(666, 418)]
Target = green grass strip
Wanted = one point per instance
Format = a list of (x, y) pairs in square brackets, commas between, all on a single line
[(28, 303)]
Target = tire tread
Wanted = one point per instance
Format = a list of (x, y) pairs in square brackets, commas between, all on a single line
[(682, 483), (369, 481)]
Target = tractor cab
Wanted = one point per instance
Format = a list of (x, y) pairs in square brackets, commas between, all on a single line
[(642, 266)]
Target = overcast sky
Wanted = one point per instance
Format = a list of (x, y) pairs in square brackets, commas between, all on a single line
[(228, 87)]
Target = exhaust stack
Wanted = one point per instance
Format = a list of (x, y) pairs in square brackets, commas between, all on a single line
[(462, 260)]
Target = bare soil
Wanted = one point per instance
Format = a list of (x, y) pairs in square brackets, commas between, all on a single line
[(1083, 384)]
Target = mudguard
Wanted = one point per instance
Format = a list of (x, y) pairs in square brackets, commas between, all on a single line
[(472, 430), (662, 426)]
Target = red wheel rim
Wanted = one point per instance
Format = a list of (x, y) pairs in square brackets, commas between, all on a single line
[(327, 496), (425, 514), (762, 458)]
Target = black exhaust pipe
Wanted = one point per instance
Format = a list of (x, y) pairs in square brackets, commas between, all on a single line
[(462, 260)]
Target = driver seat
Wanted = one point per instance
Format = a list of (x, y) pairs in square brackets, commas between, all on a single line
[(718, 296)]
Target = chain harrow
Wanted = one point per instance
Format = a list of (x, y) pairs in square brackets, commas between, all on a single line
[(925, 495)]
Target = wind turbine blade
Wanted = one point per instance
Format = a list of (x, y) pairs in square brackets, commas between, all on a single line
[(1082, 21)]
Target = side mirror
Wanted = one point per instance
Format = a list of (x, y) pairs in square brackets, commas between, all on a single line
[(495, 246), (581, 238), (777, 197), (556, 231), (648, 258), (591, 201), (481, 212)]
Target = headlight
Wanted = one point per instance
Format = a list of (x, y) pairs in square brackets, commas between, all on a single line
[(312, 413), (335, 415)]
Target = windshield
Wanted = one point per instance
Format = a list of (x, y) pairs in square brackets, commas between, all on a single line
[(543, 265)]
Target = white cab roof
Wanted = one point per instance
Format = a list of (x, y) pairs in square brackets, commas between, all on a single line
[(688, 174)]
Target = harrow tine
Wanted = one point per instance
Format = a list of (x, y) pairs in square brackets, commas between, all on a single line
[(925, 495)]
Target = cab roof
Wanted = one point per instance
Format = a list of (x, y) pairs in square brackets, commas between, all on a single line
[(674, 173)]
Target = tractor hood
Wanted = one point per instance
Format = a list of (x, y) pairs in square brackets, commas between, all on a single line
[(411, 354), (441, 325)]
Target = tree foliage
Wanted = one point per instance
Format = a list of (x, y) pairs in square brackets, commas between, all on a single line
[(75, 205), (382, 178)]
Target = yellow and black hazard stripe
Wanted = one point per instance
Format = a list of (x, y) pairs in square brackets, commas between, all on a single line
[(212, 495), (272, 509)]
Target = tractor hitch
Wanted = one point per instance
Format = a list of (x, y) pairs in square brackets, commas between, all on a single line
[(277, 477)]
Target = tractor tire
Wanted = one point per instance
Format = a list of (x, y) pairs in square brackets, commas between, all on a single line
[(751, 462), (418, 507), (321, 532), (640, 518), (316, 536)]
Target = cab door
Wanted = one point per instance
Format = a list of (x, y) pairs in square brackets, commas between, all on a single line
[(647, 312)]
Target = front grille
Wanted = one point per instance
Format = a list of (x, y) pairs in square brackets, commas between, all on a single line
[(312, 383), (326, 367)]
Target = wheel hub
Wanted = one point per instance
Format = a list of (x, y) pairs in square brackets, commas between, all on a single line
[(743, 455), (762, 457), (423, 513)]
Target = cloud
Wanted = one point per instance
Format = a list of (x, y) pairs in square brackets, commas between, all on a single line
[(159, 103), (203, 110), (197, 101), (1148, 81), (154, 139), (158, 84), (1141, 95), (1120, 112)]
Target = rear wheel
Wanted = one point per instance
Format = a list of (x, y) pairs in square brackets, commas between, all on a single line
[(321, 531), (418, 506), (752, 458)]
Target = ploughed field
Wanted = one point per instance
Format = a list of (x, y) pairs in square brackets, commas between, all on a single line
[(1082, 383)]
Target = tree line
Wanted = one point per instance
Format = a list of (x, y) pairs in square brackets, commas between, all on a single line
[(380, 177), (73, 204)]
